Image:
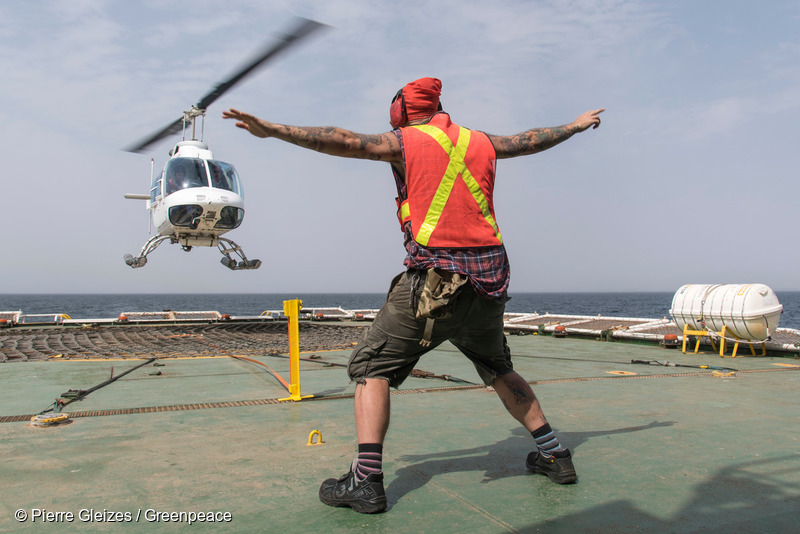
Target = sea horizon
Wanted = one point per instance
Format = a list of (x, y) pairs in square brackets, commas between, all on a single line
[(650, 304)]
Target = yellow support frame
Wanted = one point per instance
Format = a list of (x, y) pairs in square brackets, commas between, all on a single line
[(736, 344), (705, 333), (291, 309)]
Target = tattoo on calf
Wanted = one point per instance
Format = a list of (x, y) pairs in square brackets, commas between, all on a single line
[(523, 394)]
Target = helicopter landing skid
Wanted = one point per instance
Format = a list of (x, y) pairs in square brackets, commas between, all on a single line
[(230, 262), (150, 246)]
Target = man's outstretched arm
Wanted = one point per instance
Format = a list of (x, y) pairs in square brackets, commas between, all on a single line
[(325, 139), (538, 139)]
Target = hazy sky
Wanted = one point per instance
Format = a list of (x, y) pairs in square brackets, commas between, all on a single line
[(692, 177)]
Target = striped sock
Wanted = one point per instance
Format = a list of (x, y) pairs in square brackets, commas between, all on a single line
[(547, 442), (369, 461)]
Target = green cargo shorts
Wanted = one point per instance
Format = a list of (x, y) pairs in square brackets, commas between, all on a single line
[(391, 346)]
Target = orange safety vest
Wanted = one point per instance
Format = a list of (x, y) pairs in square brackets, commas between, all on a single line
[(449, 182)]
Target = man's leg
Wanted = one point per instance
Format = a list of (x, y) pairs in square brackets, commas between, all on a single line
[(361, 488), (550, 458), (372, 410), (372, 422), (390, 349), (518, 398)]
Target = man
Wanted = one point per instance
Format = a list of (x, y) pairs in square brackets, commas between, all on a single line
[(454, 288), (176, 178)]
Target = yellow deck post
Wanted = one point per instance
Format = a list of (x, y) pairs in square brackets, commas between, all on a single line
[(291, 309)]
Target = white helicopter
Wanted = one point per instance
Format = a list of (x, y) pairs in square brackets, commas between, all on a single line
[(196, 198)]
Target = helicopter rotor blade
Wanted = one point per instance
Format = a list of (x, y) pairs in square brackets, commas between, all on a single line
[(304, 28), (171, 129)]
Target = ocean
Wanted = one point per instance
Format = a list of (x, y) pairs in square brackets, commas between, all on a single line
[(90, 306)]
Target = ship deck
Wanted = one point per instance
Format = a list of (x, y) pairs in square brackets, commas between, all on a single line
[(658, 448)]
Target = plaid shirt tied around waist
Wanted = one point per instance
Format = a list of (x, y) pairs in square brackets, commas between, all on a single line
[(487, 268)]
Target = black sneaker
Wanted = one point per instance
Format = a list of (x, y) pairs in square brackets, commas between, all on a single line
[(559, 470), (367, 496)]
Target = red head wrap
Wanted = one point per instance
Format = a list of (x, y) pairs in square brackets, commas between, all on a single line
[(417, 100)]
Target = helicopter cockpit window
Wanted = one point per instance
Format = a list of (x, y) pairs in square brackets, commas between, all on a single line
[(182, 173), (224, 176)]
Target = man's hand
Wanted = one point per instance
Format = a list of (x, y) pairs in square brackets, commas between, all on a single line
[(248, 122), (588, 119)]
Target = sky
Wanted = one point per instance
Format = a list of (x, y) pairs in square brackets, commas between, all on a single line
[(691, 178)]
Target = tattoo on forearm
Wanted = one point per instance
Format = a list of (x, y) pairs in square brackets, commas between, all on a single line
[(532, 141), (332, 140), (315, 138)]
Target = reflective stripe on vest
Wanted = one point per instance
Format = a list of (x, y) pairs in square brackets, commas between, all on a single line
[(457, 166)]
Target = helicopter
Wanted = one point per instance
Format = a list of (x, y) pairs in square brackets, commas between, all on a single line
[(196, 199)]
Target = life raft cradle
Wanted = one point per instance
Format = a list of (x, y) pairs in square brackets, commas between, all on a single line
[(723, 338)]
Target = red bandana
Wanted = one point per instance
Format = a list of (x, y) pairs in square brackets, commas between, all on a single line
[(422, 98), (417, 100)]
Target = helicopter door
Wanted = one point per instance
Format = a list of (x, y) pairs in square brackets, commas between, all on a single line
[(155, 189), (183, 173)]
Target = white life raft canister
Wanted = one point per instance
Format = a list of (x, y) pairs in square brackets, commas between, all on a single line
[(749, 311)]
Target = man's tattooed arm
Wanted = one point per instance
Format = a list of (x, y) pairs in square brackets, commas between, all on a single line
[(531, 141), (325, 139), (341, 142), (538, 139)]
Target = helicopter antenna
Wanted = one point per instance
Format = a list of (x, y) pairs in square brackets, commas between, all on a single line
[(150, 215), (303, 28)]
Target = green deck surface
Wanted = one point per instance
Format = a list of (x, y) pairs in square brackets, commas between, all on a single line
[(670, 449)]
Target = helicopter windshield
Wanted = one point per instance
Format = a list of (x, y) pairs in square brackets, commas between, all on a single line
[(224, 176), (182, 173)]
